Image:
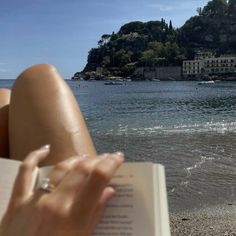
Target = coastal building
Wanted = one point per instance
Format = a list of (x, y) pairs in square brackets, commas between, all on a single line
[(209, 66), (220, 65), (204, 54), (193, 68), (158, 73)]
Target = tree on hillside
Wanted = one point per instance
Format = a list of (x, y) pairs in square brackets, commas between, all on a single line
[(94, 58), (122, 58), (157, 43), (215, 8), (135, 26), (232, 8), (157, 47), (199, 11), (170, 25), (172, 52), (106, 61), (159, 54), (104, 39)]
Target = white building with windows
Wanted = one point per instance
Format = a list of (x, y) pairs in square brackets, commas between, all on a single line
[(209, 67), (204, 54), (193, 68), (219, 65)]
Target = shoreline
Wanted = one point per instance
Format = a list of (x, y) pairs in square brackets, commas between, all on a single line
[(218, 220), (155, 80)]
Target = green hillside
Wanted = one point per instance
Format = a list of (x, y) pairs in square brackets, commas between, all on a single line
[(157, 43)]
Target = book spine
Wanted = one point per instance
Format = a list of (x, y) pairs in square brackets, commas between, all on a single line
[(162, 225)]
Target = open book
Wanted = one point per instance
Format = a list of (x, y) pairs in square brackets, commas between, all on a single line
[(139, 207)]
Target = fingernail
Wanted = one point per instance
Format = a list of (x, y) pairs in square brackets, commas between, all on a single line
[(119, 156), (46, 147), (85, 156), (104, 155)]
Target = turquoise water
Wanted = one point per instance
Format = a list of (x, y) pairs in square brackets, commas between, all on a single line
[(191, 129)]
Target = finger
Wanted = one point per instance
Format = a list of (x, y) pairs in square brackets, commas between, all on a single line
[(57, 174), (96, 183), (63, 168), (107, 195), (73, 181), (23, 183)]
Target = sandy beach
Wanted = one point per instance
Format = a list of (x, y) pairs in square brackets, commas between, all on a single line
[(215, 221)]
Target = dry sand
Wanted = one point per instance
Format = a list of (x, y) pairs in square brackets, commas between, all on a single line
[(215, 221)]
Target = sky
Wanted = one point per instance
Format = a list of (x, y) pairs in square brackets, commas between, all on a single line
[(61, 32)]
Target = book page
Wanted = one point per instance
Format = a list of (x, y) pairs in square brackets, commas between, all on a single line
[(139, 207), (8, 172), (131, 211)]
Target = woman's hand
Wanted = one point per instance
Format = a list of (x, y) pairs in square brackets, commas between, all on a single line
[(73, 208)]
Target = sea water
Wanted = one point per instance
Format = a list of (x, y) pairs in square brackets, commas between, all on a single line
[(189, 128)]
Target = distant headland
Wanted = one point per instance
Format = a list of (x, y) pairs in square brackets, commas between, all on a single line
[(203, 48)]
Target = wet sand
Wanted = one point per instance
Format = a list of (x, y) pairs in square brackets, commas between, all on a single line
[(215, 221)]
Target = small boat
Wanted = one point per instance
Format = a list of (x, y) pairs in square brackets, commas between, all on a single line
[(206, 82), (113, 83)]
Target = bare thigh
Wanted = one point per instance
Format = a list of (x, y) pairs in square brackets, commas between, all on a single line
[(43, 111), (4, 109)]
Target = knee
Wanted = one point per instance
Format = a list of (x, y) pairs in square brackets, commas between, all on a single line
[(4, 108), (36, 69), (5, 92), (37, 76), (4, 96)]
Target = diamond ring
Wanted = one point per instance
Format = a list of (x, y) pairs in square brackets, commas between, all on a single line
[(46, 185)]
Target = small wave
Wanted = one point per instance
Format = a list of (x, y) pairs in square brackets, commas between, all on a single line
[(189, 170), (218, 127), (184, 183), (172, 190), (197, 165)]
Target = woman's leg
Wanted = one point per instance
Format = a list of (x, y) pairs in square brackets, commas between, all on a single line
[(4, 109), (42, 111)]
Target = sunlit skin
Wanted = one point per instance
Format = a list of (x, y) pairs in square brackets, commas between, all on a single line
[(39, 110), (81, 185), (4, 110), (43, 110)]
